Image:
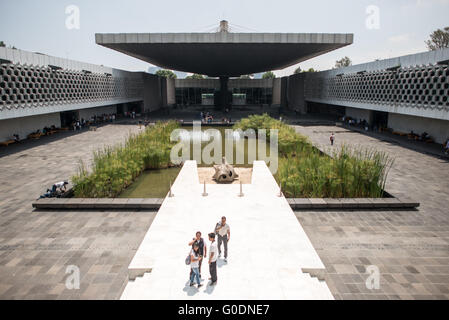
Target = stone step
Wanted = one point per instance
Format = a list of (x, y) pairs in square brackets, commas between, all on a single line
[(155, 203), (98, 204)]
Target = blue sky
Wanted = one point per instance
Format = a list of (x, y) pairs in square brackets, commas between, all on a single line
[(41, 25)]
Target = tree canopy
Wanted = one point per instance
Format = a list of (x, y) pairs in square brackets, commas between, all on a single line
[(2, 44), (268, 75), (195, 76), (343, 62), (298, 70), (439, 39), (166, 74)]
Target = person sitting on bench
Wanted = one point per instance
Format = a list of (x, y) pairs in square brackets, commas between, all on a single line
[(424, 136), (47, 194), (62, 186)]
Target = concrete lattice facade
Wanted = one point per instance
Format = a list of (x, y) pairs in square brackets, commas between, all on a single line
[(425, 87), (415, 85), (23, 86), (37, 84)]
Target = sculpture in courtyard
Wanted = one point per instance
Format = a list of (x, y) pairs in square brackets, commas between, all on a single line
[(224, 172)]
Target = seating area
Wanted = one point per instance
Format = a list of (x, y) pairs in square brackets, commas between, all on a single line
[(7, 143), (46, 131), (14, 139)]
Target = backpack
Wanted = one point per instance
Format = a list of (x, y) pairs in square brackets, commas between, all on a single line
[(216, 226)]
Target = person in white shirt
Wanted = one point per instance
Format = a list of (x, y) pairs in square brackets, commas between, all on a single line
[(62, 186), (213, 255), (223, 231)]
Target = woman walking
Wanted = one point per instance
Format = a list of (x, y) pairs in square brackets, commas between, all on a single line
[(195, 258), (332, 139)]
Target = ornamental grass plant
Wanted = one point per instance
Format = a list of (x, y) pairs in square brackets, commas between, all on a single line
[(115, 168)]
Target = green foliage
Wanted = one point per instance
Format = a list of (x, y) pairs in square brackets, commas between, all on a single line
[(115, 168), (288, 139), (166, 74), (349, 173), (195, 76), (439, 39), (343, 62), (305, 171), (298, 70), (268, 75), (2, 44)]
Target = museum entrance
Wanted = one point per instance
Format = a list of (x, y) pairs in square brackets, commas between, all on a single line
[(380, 119), (68, 117)]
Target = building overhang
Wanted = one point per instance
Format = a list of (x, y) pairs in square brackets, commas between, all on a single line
[(224, 53)]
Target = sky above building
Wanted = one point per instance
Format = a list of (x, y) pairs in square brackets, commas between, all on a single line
[(382, 28)]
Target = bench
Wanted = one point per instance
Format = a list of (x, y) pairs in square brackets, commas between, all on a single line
[(7, 143), (398, 133), (34, 135)]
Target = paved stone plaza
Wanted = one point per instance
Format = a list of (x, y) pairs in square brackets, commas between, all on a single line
[(36, 247), (410, 247)]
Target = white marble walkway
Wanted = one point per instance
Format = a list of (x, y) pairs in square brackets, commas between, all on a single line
[(267, 251)]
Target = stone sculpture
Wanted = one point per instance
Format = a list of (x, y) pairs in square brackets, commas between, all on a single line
[(224, 172)]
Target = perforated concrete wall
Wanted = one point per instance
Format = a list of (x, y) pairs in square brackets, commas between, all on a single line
[(415, 85), (23, 86), (422, 87)]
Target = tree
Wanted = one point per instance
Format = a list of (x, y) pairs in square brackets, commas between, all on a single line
[(310, 70), (166, 74), (439, 39), (268, 75), (195, 76), (343, 62), (298, 70), (2, 44)]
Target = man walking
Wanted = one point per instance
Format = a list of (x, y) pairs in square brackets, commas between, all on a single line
[(202, 250), (224, 235), (213, 259)]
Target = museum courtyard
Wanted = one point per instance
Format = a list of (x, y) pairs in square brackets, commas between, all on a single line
[(409, 247)]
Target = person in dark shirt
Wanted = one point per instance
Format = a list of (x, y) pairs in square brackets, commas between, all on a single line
[(202, 249)]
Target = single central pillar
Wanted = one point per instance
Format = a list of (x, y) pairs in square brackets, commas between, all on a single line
[(224, 100)]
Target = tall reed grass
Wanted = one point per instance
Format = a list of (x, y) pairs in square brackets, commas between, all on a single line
[(115, 168), (306, 172)]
